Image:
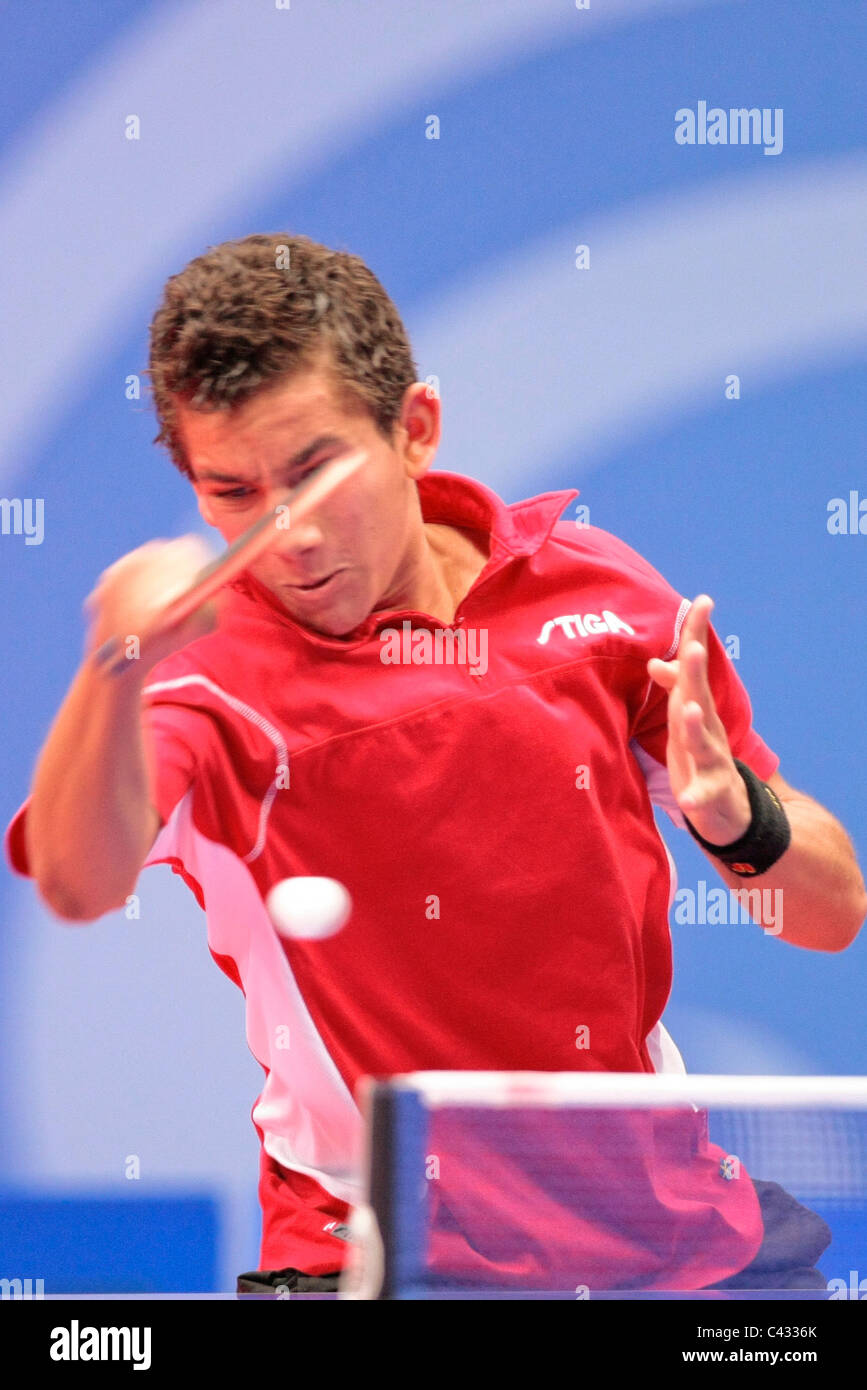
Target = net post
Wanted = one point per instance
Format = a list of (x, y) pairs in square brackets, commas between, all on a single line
[(397, 1187)]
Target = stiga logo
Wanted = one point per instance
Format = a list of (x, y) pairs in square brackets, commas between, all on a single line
[(584, 625)]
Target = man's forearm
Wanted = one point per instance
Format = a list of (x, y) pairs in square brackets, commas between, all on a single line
[(817, 893), (90, 823)]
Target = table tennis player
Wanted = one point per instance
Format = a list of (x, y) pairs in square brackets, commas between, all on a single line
[(463, 711)]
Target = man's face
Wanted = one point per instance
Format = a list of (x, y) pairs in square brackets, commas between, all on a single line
[(363, 540)]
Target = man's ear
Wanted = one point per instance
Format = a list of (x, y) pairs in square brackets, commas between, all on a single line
[(421, 423)]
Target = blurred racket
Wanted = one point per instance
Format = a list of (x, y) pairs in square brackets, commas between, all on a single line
[(291, 507)]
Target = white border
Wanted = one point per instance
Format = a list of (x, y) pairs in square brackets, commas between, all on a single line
[(634, 1089)]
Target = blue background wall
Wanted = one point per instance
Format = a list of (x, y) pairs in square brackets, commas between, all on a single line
[(121, 1040)]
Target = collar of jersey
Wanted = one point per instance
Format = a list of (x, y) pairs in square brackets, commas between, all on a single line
[(451, 499)]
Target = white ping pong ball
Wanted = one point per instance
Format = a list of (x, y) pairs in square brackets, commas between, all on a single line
[(308, 909)]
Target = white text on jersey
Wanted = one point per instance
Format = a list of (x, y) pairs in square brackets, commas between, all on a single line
[(587, 625)]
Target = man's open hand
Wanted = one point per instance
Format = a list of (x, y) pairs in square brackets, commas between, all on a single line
[(706, 784)]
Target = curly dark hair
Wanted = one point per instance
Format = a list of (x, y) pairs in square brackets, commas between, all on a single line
[(247, 313)]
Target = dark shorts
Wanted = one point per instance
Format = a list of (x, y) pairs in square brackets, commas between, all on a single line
[(794, 1239), (281, 1283)]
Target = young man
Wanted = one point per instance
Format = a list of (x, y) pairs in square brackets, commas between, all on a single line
[(460, 710)]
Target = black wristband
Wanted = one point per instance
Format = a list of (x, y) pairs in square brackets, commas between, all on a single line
[(766, 838)]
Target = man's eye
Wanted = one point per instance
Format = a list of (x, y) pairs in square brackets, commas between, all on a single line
[(236, 493), (304, 473), (308, 469)]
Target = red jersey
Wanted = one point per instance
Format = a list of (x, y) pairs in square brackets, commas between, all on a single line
[(483, 789)]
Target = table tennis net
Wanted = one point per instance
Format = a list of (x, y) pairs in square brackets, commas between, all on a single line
[(577, 1183)]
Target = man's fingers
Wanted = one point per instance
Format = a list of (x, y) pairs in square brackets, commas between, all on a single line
[(663, 672), (695, 627), (702, 747), (693, 675), (695, 624), (694, 651)]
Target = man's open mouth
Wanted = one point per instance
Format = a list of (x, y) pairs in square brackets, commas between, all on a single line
[(316, 584)]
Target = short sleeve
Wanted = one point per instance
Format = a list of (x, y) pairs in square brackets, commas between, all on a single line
[(174, 741), (650, 731), (172, 754)]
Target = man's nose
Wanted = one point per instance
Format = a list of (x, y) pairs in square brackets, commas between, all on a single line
[(294, 537)]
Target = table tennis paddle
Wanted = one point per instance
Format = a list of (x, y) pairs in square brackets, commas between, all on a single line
[(300, 501)]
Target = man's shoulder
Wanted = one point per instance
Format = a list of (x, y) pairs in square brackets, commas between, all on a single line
[(601, 551), (194, 674), (212, 658), (176, 670)]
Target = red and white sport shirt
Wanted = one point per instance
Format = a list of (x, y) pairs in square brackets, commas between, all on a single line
[(491, 818)]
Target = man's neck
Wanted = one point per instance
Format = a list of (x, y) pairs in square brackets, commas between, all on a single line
[(447, 563), (460, 556)]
